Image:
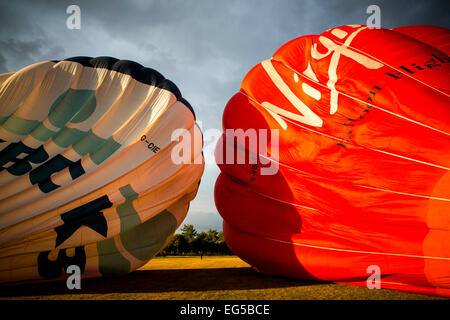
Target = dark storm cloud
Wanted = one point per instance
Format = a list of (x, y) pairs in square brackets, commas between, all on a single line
[(29, 51), (23, 40), (216, 41), (204, 31), (3, 68)]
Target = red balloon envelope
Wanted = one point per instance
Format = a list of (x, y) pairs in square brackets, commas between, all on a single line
[(354, 180)]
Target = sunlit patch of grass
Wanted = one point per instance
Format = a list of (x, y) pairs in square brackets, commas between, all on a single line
[(193, 278)]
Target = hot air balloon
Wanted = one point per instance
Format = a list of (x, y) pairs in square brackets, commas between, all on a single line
[(88, 175), (350, 180)]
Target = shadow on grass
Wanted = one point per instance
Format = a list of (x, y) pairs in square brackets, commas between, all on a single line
[(153, 281)]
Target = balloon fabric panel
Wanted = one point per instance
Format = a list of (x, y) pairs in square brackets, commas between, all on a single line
[(86, 174), (363, 160)]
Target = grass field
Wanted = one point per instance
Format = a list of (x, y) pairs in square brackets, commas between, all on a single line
[(226, 278)]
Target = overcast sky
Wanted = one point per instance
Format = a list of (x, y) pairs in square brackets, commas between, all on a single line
[(205, 46)]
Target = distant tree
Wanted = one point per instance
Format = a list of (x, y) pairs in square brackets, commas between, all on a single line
[(189, 241), (200, 244), (212, 236), (223, 247), (179, 244), (189, 232), (211, 241)]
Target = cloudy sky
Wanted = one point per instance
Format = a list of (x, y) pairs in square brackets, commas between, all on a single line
[(205, 46)]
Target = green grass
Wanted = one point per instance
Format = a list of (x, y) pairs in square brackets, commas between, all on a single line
[(213, 277)]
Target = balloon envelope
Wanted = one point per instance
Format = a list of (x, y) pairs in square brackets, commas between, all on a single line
[(87, 175), (352, 184)]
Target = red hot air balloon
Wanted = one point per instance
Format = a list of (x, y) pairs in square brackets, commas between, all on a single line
[(361, 190)]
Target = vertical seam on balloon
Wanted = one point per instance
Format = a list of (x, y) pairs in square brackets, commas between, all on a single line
[(361, 115), (289, 120), (362, 186), (46, 123), (396, 69), (411, 159), (403, 193), (348, 250), (343, 141), (356, 99)]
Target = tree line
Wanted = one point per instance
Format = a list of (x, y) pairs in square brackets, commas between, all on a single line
[(190, 242)]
